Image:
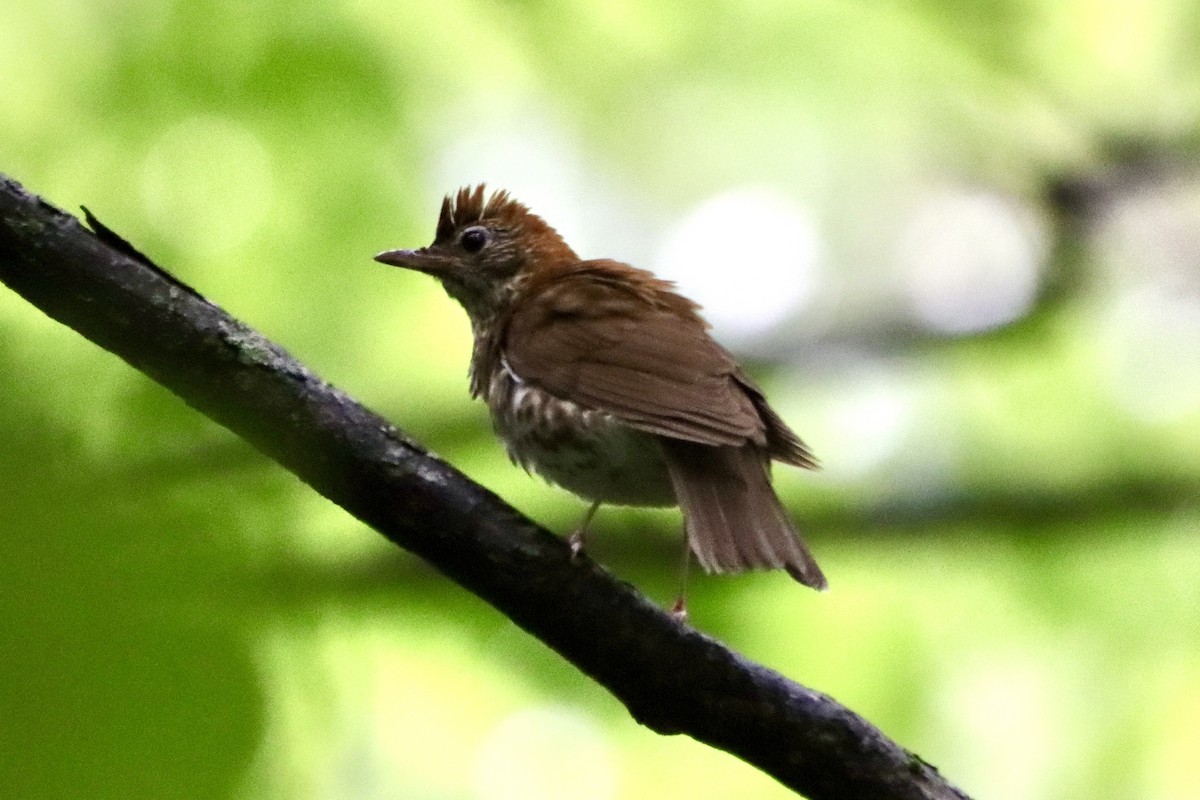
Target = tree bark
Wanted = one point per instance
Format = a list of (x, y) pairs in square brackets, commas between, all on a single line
[(672, 678)]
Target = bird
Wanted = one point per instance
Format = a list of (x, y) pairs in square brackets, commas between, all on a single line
[(603, 379)]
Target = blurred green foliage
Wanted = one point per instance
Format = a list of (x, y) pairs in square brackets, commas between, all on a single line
[(1009, 509)]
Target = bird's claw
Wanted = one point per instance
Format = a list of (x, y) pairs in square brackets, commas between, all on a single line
[(679, 609), (576, 542)]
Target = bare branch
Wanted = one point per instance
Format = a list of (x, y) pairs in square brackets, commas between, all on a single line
[(672, 678)]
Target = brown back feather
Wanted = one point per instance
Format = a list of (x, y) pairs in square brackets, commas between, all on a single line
[(616, 339)]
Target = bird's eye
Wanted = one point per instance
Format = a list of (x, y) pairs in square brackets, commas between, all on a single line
[(473, 239)]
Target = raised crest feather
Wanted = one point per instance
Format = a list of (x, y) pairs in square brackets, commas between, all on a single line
[(470, 205), (525, 232)]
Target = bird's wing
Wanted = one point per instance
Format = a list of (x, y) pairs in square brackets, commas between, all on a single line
[(631, 347)]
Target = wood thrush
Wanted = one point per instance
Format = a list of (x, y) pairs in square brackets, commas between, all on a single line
[(604, 380)]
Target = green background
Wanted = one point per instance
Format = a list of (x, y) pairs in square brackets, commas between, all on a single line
[(1009, 509)]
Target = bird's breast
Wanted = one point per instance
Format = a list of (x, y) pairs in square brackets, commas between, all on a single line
[(588, 452)]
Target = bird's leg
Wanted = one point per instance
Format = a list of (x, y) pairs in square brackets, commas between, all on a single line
[(679, 608), (579, 535)]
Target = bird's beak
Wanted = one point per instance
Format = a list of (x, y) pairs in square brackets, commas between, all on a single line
[(422, 260)]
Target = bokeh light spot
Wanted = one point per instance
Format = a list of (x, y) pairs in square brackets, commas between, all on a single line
[(970, 261), (1152, 349), (749, 256), (872, 419)]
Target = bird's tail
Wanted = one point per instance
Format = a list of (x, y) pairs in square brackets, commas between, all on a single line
[(734, 519)]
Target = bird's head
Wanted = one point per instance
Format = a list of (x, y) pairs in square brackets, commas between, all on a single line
[(483, 248)]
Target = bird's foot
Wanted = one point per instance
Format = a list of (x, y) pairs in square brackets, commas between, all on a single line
[(679, 609), (576, 540), (577, 537)]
